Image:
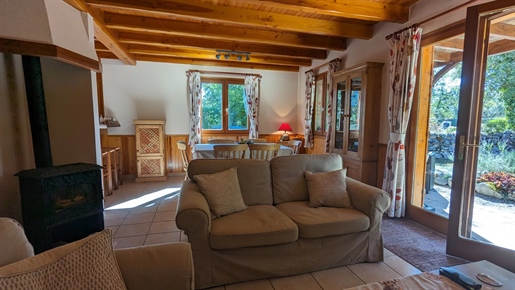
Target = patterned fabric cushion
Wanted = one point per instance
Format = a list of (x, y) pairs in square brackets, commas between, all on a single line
[(222, 191), (85, 264), (328, 189)]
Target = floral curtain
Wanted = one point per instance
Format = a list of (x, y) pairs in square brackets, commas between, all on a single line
[(251, 101), (194, 99), (308, 130), (404, 49), (334, 66)]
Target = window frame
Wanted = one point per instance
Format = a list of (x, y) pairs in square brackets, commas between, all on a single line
[(225, 104), (323, 129)]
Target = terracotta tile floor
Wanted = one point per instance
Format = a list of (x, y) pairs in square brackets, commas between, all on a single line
[(144, 214)]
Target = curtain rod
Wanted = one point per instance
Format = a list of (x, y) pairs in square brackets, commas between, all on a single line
[(432, 18), (222, 73), (322, 65)]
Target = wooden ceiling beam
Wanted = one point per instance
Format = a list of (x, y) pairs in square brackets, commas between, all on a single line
[(210, 55), (235, 64), (203, 11), (356, 9), (103, 33), (501, 46), (175, 27), (452, 44), (503, 30), (170, 41)]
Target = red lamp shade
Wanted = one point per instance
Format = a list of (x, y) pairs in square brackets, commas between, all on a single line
[(285, 127)]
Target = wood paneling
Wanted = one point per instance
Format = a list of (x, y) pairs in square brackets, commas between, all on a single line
[(173, 160), (318, 147)]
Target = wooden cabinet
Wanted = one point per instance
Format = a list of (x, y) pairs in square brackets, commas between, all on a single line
[(150, 148), (357, 103)]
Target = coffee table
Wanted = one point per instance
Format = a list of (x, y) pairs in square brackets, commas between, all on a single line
[(432, 280), (471, 269)]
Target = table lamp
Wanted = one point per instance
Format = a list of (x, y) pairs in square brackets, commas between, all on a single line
[(285, 127)]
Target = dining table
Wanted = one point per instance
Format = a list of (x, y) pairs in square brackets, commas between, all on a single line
[(206, 151)]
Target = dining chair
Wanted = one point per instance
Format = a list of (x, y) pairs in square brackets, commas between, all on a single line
[(264, 151), (295, 145), (258, 140), (221, 141), (230, 151), (185, 160)]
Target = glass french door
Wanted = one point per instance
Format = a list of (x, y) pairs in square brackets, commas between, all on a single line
[(477, 166)]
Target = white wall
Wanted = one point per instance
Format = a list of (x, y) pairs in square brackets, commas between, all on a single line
[(376, 50), (158, 91), (69, 96)]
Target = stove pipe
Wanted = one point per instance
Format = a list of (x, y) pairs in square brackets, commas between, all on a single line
[(37, 110)]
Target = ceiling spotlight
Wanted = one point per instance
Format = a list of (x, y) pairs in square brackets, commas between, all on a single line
[(218, 56), (239, 57), (227, 56), (247, 58)]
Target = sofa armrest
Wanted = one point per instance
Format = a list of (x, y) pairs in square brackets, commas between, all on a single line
[(193, 214), (370, 200), (165, 266)]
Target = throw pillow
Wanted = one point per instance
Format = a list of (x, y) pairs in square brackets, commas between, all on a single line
[(85, 264), (328, 189), (222, 191)]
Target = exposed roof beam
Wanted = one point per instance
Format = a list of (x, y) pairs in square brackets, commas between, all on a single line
[(175, 27), (506, 31), (358, 9), (158, 40), (237, 64), (103, 33), (200, 10), (210, 55), (451, 44)]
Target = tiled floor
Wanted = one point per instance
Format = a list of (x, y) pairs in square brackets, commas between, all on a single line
[(144, 214)]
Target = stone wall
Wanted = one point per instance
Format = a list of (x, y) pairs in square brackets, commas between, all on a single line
[(442, 144)]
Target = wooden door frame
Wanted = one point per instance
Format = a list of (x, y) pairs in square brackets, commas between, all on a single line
[(416, 141), (471, 93)]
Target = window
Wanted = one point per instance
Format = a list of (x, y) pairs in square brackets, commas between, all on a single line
[(321, 106), (223, 108)]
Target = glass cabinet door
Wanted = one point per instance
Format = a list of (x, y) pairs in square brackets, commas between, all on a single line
[(339, 124), (354, 114)]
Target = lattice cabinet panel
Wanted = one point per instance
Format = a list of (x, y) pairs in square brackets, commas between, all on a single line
[(150, 166), (150, 150)]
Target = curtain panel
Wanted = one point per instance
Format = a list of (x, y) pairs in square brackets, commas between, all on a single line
[(404, 50), (308, 118), (251, 101), (194, 102), (334, 66)]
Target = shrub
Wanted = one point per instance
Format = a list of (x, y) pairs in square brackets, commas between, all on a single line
[(503, 182), (496, 125)]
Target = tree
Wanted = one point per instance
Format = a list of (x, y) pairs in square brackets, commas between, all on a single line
[(500, 81)]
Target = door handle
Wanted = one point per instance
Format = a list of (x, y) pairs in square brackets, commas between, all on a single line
[(462, 147)]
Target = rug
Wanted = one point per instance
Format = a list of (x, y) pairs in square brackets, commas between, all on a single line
[(421, 247)]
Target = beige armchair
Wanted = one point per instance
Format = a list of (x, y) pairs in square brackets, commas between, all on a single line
[(165, 266)]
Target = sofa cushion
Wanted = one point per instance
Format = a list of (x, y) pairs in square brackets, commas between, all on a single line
[(259, 225), (324, 221), (222, 191), (89, 263), (254, 176), (288, 174), (328, 189)]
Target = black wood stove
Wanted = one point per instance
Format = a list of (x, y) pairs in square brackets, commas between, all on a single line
[(61, 203)]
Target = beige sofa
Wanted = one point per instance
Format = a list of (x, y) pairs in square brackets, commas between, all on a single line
[(278, 234), (165, 266)]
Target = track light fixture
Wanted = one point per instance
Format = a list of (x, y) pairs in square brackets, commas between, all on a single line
[(228, 53)]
